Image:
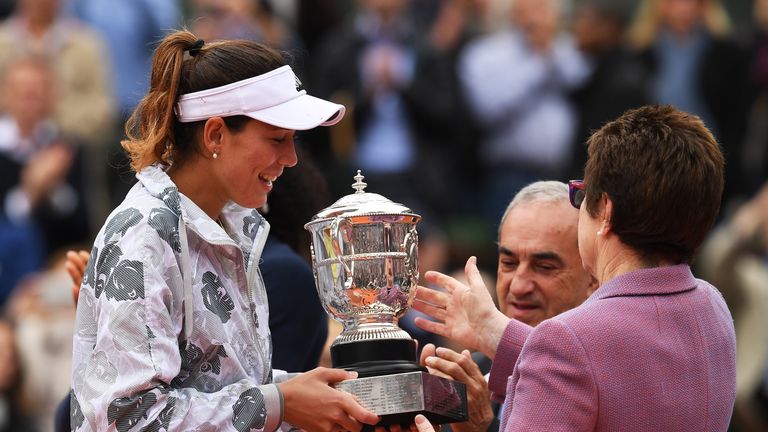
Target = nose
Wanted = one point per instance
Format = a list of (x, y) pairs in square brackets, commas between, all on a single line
[(521, 285), (288, 157)]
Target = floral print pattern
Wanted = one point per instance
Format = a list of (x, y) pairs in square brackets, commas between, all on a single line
[(134, 369)]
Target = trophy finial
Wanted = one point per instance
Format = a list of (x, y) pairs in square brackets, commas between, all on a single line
[(359, 185)]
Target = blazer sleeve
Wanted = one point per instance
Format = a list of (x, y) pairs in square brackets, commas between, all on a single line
[(553, 387), (128, 352), (507, 353)]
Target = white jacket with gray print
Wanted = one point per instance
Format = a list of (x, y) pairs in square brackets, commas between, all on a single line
[(172, 321)]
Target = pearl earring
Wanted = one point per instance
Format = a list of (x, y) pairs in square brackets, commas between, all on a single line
[(600, 231), (215, 155)]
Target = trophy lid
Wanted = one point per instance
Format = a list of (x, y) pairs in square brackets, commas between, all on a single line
[(361, 203)]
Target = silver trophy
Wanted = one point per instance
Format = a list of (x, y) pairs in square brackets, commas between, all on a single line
[(365, 261)]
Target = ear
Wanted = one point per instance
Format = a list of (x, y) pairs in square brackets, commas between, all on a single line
[(213, 131), (607, 213)]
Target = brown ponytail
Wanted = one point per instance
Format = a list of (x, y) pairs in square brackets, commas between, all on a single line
[(153, 132)]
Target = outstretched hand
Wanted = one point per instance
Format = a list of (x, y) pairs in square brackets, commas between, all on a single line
[(312, 404), (460, 367), (463, 313)]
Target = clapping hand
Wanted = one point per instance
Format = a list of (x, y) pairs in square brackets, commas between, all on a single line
[(44, 171), (75, 265)]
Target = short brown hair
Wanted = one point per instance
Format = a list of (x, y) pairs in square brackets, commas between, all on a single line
[(153, 131), (663, 171)]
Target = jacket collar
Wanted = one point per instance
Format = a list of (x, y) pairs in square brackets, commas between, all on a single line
[(245, 226), (653, 281), (248, 230)]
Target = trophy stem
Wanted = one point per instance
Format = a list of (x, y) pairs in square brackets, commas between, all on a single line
[(381, 318), (371, 327)]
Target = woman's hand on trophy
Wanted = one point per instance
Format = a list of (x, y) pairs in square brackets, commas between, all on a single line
[(463, 313), (312, 404), (460, 367)]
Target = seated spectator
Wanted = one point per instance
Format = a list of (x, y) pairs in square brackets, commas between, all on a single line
[(78, 61), (40, 170)]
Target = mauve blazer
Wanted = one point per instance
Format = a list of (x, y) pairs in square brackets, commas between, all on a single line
[(651, 350)]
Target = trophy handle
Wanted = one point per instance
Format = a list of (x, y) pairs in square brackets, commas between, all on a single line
[(411, 249), (340, 227)]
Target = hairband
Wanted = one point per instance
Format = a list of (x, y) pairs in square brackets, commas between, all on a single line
[(196, 47)]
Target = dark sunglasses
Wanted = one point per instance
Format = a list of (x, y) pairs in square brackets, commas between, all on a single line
[(576, 192)]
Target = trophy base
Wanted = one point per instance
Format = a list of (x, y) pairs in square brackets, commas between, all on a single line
[(398, 397), (376, 357)]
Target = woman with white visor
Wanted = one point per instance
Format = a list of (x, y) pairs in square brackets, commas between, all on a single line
[(172, 321)]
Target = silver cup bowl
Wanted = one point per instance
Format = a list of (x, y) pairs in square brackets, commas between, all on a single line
[(365, 261)]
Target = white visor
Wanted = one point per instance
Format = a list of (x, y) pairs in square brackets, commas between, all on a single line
[(273, 98)]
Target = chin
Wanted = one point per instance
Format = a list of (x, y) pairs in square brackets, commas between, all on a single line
[(252, 202), (530, 318)]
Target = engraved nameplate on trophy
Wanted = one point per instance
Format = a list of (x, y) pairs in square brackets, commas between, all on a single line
[(401, 396)]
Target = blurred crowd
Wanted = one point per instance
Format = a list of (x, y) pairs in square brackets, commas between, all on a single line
[(452, 107)]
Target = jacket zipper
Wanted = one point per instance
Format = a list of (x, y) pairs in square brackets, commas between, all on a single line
[(252, 277), (250, 280)]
